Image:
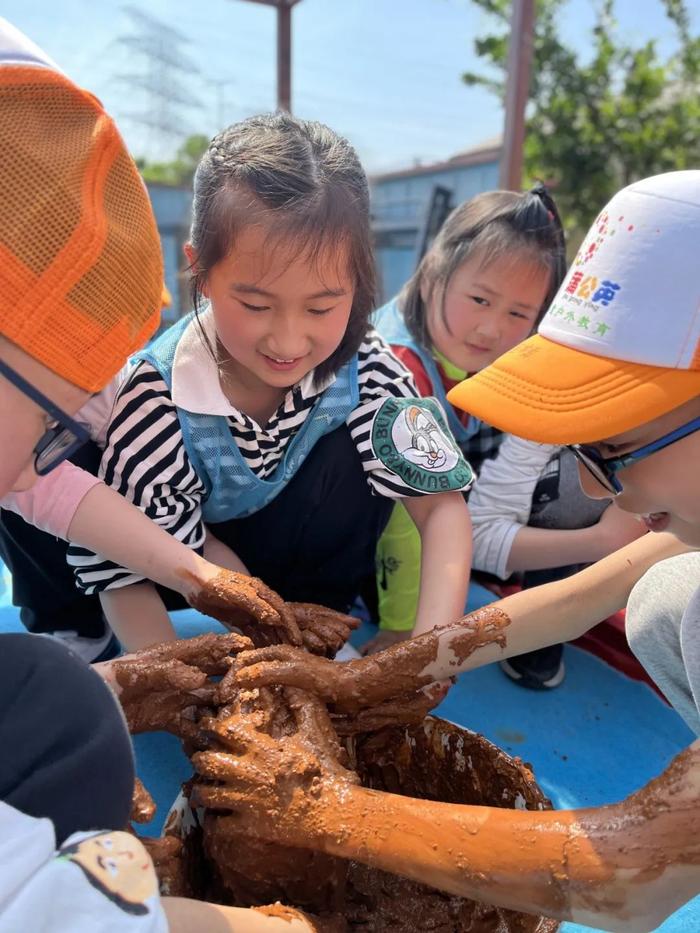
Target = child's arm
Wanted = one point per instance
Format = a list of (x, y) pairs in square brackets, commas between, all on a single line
[(622, 867), (531, 619), (541, 548), (500, 508), (408, 453), (136, 613), (216, 552), (51, 503), (446, 552), (404, 577), (189, 916), (137, 616), (501, 500), (146, 464), (108, 524), (72, 504)]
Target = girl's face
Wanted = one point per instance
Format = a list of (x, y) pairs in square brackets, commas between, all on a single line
[(22, 421), (277, 313), (663, 489), (488, 309)]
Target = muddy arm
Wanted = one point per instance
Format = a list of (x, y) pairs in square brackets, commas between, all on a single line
[(533, 618), (620, 868), (552, 613)]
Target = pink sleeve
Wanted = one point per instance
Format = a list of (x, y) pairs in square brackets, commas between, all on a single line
[(53, 500)]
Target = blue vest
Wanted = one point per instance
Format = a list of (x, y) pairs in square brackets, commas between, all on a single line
[(388, 320), (232, 490)]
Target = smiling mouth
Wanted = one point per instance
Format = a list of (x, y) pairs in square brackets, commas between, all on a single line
[(280, 361)]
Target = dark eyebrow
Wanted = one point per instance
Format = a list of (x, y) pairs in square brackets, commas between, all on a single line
[(246, 289), (517, 304)]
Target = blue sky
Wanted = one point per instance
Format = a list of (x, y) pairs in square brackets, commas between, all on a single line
[(386, 73)]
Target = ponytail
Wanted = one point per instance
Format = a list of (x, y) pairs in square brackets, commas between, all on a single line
[(500, 222)]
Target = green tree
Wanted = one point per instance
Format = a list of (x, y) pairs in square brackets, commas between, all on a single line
[(604, 113), (181, 169)]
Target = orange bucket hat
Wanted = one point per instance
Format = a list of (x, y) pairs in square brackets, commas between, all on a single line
[(81, 271), (620, 344)]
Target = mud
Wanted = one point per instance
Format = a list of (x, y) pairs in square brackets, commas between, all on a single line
[(435, 761)]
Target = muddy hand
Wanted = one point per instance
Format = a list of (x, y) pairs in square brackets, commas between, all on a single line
[(248, 604), (402, 669), (323, 631), (294, 667), (406, 710), (210, 652), (350, 686), (384, 640), (270, 784), (157, 685), (143, 807)]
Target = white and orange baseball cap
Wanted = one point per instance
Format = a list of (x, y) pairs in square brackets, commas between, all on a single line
[(620, 343), (81, 270)]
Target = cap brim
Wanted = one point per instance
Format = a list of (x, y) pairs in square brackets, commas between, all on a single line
[(547, 392)]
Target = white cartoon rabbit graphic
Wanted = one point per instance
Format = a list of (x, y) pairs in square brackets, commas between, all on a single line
[(426, 440)]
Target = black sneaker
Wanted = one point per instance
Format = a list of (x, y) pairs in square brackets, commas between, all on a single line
[(537, 670)]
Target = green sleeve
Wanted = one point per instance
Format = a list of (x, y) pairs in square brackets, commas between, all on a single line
[(398, 572)]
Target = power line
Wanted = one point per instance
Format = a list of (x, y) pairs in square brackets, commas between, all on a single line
[(162, 81), (223, 106)]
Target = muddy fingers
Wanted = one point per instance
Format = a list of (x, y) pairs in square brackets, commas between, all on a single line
[(330, 628), (240, 602), (282, 664), (143, 806)]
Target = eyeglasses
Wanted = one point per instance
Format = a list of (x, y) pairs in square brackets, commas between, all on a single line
[(604, 469), (61, 439)]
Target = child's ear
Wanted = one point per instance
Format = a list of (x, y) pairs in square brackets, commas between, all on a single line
[(424, 291), (191, 257), (190, 254), (430, 291)]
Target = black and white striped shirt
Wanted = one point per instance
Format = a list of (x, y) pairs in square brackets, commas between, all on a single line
[(146, 461)]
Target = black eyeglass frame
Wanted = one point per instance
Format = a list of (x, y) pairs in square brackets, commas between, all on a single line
[(604, 469), (65, 427)]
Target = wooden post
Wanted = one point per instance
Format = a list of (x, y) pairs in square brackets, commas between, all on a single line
[(284, 57), (284, 50), (517, 88)]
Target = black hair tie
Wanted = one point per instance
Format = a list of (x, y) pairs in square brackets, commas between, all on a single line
[(539, 190)]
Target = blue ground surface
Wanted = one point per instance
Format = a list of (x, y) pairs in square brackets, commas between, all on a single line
[(595, 739)]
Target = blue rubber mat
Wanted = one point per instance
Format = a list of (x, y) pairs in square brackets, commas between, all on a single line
[(591, 741)]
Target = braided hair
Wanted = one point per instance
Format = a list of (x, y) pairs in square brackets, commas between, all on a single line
[(306, 185)]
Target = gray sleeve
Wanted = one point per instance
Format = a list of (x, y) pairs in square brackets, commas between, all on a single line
[(663, 624), (501, 500)]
